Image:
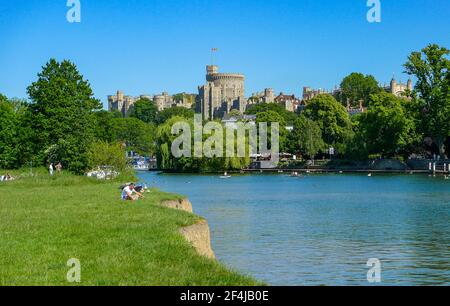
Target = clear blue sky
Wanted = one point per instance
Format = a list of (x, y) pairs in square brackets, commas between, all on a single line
[(150, 46)]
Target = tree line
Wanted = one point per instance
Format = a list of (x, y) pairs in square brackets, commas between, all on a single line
[(63, 122)]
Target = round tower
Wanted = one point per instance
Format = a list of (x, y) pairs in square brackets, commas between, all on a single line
[(212, 69), (393, 86), (410, 85)]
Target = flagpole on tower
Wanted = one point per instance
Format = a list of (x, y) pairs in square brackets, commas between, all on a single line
[(213, 52)]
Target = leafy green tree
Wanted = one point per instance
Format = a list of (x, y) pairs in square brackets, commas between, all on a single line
[(174, 112), (306, 138), (9, 142), (386, 128), (234, 113), (431, 67), (104, 125), (102, 153), (136, 135), (333, 119), (289, 117), (144, 110), (61, 111), (357, 87), (269, 117)]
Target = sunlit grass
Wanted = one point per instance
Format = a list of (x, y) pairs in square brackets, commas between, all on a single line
[(45, 221)]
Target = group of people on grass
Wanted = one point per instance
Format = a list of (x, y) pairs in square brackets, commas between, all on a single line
[(52, 168)]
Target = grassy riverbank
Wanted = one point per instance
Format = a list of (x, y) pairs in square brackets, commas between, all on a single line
[(47, 221)]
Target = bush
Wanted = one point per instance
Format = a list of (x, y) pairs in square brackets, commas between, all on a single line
[(107, 154)]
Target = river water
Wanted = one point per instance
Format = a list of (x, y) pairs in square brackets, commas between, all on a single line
[(323, 229)]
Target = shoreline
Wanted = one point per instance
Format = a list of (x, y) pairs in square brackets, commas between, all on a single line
[(306, 171)]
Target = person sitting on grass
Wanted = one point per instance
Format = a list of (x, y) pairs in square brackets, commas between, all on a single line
[(129, 193), (5, 178)]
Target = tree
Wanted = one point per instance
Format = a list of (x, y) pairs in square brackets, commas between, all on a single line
[(167, 161), (9, 146), (386, 128), (102, 153), (306, 138), (431, 67), (61, 111), (234, 113), (358, 87), (174, 112), (137, 136), (144, 110), (289, 117), (270, 117), (333, 120)]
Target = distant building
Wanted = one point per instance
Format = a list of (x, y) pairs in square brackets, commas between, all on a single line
[(163, 101), (267, 96), (309, 93), (123, 103), (398, 89), (289, 102), (184, 100), (120, 103), (222, 93)]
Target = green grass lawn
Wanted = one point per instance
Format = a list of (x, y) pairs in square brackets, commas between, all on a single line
[(46, 221)]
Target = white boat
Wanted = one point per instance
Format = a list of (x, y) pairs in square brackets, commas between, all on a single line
[(141, 166), (225, 176)]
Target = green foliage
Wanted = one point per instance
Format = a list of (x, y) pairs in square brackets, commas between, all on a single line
[(9, 145), (431, 67), (269, 117), (167, 161), (107, 154), (104, 125), (15, 145), (333, 120), (358, 87), (135, 134), (168, 113), (386, 128), (306, 138), (61, 113), (144, 110), (234, 113), (289, 117)]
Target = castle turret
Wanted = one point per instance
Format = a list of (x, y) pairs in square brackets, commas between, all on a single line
[(410, 85), (212, 69)]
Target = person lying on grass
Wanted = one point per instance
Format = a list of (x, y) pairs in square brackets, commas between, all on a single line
[(129, 193)]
